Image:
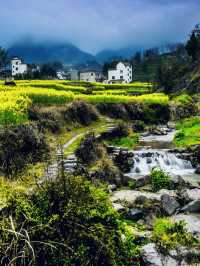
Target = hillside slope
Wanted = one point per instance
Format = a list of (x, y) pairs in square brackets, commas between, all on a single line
[(45, 52)]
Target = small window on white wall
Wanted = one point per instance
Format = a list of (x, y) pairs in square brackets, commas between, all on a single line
[(113, 77), (121, 71)]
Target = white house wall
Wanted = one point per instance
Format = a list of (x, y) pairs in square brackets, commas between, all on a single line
[(122, 72)]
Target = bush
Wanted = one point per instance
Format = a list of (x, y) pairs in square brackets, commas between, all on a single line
[(20, 145), (90, 150), (81, 112), (117, 110), (159, 179), (70, 223), (170, 235), (105, 170), (121, 130), (138, 126)]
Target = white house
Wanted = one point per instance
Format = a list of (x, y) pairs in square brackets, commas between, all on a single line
[(18, 67), (122, 73), (91, 76)]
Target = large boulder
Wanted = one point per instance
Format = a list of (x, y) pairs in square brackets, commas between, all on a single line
[(192, 223), (192, 207), (139, 180), (169, 204), (191, 194), (177, 182), (134, 214), (151, 257)]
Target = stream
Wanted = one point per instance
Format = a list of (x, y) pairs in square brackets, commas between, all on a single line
[(154, 151)]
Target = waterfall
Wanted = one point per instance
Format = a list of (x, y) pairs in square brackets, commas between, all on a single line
[(146, 159)]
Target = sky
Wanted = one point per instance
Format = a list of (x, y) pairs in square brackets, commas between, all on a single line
[(94, 25)]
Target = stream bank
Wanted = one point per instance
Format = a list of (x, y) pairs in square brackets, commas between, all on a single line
[(179, 201)]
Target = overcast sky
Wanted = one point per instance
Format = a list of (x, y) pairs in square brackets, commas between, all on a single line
[(94, 25)]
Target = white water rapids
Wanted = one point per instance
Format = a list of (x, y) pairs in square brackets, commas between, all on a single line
[(153, 151)]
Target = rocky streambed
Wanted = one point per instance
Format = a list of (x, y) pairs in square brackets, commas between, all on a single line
[(180, 202)]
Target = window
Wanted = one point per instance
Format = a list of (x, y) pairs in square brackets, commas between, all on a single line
[(121, 71), (113, 77), (92, 74), (121, 77), (16, 68)]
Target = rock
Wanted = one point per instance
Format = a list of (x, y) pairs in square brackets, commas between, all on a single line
[(191, 194), (137, 170), (118, 207), (152, 257), (130, 196), (139, 181), (134, 214), (169, 204), (192, 223), (149, 160), (177, 182), (112, 187), (197, 171), (124, 160), (193, 207)]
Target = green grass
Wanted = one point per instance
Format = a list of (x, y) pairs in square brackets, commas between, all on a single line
[(188, 132), (182, 99), (125, 142)]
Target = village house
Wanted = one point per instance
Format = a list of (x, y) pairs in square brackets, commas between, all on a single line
[(18, 67), (122, 73), (91, 76)]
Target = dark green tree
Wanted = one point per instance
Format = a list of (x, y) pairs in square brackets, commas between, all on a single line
[(193, 45)]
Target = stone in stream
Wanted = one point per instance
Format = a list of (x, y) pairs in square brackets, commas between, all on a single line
[(197, 171), (191, 194), (151, 257), (169, 204), (118, 207), (139, 181), (192, 223), (192, 207), (134, 214), (129, 197), (177, 182)]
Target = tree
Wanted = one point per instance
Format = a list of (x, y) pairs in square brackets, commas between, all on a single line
[(193, 45), (137, 58), (3, 60)]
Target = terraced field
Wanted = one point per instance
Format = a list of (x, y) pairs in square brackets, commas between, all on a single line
[(15, 100)]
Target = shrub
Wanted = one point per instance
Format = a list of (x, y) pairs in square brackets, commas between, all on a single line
[(81, 112), (170, 235), (20, 145), (116, 110), (159, 179), (90, 150), (121, 130), (65, 225), (105, 170), (138, 126)]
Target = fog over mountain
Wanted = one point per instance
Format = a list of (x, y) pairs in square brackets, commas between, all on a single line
[(94, 25)]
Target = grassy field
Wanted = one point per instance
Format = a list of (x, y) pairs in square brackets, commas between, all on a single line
[(15, 100), (188, 132)]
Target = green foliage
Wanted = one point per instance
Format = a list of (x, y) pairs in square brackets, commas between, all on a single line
[(81, 112), (125, 142), (188, 132), (183, 99), (159, 179), (132, 184), (193, 44), (66, 222), (20, 145), (171, 235), (90, 150)]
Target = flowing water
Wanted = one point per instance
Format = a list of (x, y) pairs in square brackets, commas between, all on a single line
[(154, 151)]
